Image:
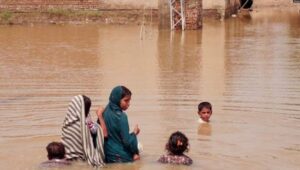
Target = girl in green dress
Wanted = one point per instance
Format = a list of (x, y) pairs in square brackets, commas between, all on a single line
[(120, 145)]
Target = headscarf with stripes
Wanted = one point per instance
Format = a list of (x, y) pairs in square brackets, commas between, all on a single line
[(77, 138)]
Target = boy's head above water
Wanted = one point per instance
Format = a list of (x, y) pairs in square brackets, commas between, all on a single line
[(204, 111), (56, 150)]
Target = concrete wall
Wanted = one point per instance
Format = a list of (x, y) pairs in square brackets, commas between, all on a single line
[(274, 3), (231, 7), (219, 8), (164, 14), (133, 3), (213, 4)]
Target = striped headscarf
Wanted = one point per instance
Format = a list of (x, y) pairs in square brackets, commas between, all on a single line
[(77, 138)]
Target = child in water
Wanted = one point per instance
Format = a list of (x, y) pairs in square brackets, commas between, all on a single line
[(56, 156), (204, 112), (178, 144)]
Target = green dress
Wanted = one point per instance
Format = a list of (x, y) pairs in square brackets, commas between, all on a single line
[(120, 145)]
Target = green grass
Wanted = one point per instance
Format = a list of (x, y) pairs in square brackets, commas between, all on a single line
[(58, 12), (6, 16)]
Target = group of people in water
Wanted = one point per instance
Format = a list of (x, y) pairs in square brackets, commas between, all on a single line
[(108, 140)]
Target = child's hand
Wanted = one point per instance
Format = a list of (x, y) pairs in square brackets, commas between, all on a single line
[(90, 125), (136, 130), (136, 157), (100, 112)]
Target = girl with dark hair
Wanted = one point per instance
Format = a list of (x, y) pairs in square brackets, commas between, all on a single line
[(120, 145), (178, 144)]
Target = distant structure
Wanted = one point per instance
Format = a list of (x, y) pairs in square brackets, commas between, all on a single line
[(188, 14), (185, 14)]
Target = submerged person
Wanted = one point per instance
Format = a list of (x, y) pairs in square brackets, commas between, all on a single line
[(56, 156), (178, 144), (204, 112), (120, 145), (82, 138)]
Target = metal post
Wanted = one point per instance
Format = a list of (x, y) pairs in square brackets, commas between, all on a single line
[(180, 13), (171, 14)]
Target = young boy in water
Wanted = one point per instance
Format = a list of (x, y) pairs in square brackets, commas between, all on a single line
[(204, 112), (56, 156), (178, 144)]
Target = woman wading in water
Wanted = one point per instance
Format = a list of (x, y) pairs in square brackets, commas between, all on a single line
[(82, 139), (120, 145)]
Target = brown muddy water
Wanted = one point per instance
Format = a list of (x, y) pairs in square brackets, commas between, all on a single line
[(247, 67)]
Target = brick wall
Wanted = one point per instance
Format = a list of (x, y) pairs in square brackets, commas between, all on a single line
[(73, 11), (28, 5), (40, 5), (193, 17), (48, 1), (193, 14)]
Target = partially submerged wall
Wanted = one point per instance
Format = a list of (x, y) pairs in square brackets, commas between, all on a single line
[(274, 3), (117, 11), (131, 3), (61, 11), (219, 9), (164, 14), (78, 4), (193, 14), (192, 10)]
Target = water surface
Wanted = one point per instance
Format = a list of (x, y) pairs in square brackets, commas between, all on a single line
[(247, 67)]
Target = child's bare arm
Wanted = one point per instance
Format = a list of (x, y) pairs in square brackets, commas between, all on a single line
[(136, 130), (136, 157), (101, 120)]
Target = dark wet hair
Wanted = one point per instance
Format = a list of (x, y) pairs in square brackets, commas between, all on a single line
[(56, 150), (125, 92), (204, 105), (178, 143), (87, 104)]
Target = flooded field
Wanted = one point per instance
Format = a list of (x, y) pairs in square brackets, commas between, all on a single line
[(247, 67)]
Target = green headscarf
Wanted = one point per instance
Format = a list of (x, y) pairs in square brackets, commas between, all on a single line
[(115, 98)]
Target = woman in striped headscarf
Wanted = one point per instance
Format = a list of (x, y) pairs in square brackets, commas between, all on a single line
[(77, 137)]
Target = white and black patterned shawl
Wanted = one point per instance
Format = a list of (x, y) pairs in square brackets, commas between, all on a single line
[(77, 138)]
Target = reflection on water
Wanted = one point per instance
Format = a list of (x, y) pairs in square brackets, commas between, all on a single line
[(247, 67), (205, 129)]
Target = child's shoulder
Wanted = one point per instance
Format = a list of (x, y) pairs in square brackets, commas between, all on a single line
[(175, 159), (55, 163), (201, 121)]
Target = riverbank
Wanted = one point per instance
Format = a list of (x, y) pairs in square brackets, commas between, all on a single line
[(58, 15), (75, 11)]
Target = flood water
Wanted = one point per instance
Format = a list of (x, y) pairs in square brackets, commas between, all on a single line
[(247, 67)]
